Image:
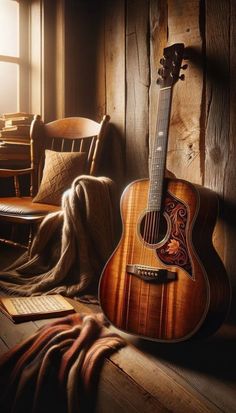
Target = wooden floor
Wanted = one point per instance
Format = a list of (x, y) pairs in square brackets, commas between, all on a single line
[(195, 376)]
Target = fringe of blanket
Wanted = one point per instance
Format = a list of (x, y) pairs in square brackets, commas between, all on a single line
[(71, 245), (57, 369)]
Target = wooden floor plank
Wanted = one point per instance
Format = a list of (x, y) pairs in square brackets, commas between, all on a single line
[(119, 390), (162, 382), (205, 368), (12, 334), (151, 377), (3, 347), (45, 321)]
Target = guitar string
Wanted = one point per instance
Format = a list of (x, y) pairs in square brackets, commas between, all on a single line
[(164, 290), (157, 175), (152, 218), (150, 224), (132, 250), (166, 105), (132, 255), (146, 229)]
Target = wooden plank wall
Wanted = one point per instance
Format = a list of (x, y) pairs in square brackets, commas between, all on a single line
[(202, 133), (137, 88), (184, 139), (220, 137)]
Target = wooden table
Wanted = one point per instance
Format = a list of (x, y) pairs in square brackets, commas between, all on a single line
[(195, 376)]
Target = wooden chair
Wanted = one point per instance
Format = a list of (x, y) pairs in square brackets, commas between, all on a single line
[(84, 137)]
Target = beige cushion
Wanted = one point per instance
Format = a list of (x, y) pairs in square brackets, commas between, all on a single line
[(60, 169)]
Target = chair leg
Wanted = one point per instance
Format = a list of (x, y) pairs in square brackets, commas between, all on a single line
[(12, 243), (32, 231), (11, 239), (31, 235)]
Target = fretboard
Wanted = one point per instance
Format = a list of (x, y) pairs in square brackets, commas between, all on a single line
[(159, 150)]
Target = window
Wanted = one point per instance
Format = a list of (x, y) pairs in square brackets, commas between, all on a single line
[(14, 66)]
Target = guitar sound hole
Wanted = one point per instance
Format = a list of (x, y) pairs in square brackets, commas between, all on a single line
[(153, 227)]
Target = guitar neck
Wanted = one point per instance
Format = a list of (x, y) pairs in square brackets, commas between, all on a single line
[(159, 150)]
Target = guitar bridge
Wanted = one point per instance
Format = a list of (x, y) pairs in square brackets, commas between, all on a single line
[(151, 274)]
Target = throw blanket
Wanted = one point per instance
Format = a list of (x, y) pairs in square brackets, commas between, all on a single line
[(71, 245), (56, 369)]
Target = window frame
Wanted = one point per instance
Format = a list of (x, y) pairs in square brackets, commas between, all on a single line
[(23, 61)]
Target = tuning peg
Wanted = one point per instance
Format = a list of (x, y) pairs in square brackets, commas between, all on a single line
[(184, 67), (159, 80), (160, 71), (162, 61), (182, 77)]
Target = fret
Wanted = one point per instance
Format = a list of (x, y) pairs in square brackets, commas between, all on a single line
[(159, 152)]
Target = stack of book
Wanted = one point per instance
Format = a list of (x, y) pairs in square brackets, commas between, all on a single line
[(15, 135), (16, 127)]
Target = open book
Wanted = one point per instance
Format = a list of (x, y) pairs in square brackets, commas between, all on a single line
[(20, 309)]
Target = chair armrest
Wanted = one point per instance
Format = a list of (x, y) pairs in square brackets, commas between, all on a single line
[(5, 173)]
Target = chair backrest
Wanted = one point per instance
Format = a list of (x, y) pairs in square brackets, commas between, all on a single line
[(73, 134)]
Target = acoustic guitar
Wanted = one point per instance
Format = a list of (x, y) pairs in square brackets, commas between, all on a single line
[(165, 281)]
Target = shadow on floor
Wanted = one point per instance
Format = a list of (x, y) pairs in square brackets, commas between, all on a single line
[(214, 356)]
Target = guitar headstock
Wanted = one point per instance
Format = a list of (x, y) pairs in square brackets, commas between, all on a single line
[(171, 65)]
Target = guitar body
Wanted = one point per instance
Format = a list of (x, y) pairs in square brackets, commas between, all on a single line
[(174, 287)]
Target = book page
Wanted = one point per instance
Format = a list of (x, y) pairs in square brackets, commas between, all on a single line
[(34, 305)]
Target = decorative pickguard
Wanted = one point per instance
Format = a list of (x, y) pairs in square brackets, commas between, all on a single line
[(175, 251)]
